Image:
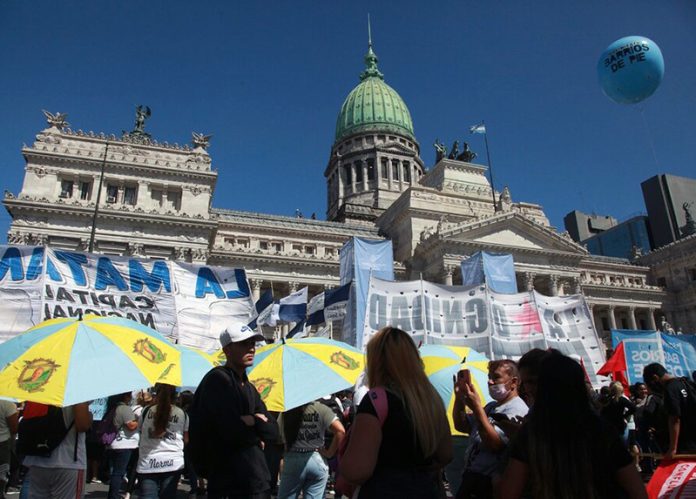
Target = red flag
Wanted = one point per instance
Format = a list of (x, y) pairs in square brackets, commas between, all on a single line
[(673, 479), (616, 367)]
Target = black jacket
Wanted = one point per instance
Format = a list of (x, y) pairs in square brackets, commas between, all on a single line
[(222, 447)]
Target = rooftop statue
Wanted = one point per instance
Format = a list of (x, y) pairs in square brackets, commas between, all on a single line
[(455, 150), (142, 113), (440, 151), (200, 140), (467, 154), (58, 120)]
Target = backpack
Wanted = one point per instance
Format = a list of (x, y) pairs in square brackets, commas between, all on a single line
[(41, 430), (380, 402), (106, 431)]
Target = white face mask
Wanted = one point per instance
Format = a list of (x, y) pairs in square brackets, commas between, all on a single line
[(498, 392)]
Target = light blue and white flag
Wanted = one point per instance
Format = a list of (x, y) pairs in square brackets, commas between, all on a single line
[(293, 308), (329, 305), (480, 128)]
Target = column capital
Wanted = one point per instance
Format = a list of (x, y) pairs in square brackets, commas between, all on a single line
[(293, 286), (255, 284)]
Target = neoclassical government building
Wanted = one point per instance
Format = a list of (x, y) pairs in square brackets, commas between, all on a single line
[(155, 201)]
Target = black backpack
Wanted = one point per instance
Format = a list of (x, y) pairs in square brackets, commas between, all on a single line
[(42, 429)]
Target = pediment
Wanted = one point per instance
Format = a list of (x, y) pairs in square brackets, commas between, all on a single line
[(511, 231), (395, 147)]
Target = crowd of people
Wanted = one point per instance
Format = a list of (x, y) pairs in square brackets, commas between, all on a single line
[(546, 434)]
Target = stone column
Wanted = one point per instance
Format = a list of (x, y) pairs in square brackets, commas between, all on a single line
[(651, 319), (577, 287), (612, 317), (632, 318), (341, 184), (529, 281), (363, 164), (256, 288), (390, 172), (449, 270), (352, 177), (412, 172), (553, 281), (590, 307)]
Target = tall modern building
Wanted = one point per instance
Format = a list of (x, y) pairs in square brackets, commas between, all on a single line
[(671, 205), (582, 226), (155, 202), (629, 239)]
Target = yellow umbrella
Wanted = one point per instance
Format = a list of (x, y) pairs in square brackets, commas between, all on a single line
[(443, 362), (67, 361), (294, 372)]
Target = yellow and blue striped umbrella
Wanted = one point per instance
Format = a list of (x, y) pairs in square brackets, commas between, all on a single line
[(295, 372), (193, 366), (442, 362), (67, 361)]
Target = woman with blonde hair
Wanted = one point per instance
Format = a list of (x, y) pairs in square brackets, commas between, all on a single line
[(404, 455)]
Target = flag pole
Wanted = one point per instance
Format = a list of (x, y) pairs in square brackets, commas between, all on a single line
[(490, 167)]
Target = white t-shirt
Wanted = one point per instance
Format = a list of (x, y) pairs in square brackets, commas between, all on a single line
[(125, 438), (63, 455), (7, 409), (166, 453)]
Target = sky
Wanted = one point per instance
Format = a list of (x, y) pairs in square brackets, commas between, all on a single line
[(267, 79)]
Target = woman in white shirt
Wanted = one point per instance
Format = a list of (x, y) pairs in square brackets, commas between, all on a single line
[(126, 440), (164, 432)]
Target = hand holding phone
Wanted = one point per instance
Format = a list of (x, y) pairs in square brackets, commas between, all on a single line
[(464, 376)]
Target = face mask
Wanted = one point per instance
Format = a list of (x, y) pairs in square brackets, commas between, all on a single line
[(498, 392)]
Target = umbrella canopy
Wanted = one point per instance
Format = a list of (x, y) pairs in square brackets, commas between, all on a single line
[(442, 362), (193, 366), (295, 372), (67, 361)]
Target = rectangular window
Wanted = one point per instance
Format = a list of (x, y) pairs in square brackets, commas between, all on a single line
[(66, 188), (297, 247), (310, 250), (129, 195), (85, 188), (156, 196), (370, 169), (395, 170), (407, 172), (349, 175), (242, 243), (111, 193), (263, 245), (385, 169), (174, 200), (605, 324), (277, 246), (358, 172)]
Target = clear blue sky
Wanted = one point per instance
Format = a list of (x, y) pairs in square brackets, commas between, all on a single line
[(267, 79)]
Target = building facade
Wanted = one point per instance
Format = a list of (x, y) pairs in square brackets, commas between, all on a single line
[(155, 201)]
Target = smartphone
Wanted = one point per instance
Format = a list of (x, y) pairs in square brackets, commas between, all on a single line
[(465, 376)]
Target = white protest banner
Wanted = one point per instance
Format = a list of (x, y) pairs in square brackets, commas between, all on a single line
[(21, 285), (568, 327), (182, 301), (516, 325), (205, 297), (431, 313), (497, 325)]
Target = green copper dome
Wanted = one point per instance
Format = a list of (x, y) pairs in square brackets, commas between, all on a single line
[(373, 105)]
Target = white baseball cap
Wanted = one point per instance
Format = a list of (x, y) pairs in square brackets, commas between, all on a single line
[(235, 332)]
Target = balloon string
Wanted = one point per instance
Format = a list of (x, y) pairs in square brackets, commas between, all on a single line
[(647, 131)]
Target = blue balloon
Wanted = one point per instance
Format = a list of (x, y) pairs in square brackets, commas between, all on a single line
[(631, 69)]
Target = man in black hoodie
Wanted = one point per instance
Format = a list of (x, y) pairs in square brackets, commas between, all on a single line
[(229, 421)]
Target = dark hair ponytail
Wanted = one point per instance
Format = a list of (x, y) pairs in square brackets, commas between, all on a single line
[(164, 407)]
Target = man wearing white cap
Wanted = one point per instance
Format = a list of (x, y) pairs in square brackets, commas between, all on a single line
[(229, 421)]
